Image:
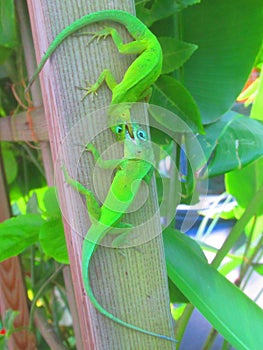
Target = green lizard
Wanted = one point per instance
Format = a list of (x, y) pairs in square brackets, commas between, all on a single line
[(137, 165), (138, 78)]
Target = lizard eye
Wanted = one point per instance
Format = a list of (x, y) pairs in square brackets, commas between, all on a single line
[(118, 129), (141, 134)]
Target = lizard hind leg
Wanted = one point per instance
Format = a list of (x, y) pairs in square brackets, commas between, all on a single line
[(93, 207), (100, 34), (122, 229)]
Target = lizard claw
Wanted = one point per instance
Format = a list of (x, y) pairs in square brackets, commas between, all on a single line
[(101, 34), (90, 89)]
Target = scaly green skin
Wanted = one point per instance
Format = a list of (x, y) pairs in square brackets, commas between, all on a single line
[(138, 78), (136, 166)]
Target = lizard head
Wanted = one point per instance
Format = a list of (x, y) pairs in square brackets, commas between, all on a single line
[(120, 120), (120, 130), (137, 143)]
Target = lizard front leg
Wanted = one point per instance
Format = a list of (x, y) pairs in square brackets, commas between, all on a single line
[(107, 76)]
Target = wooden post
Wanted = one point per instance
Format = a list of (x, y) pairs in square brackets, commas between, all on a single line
[(134, 286), (20, 125), (12, 289)]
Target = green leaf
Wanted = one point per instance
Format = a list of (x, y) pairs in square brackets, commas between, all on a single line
[(229, 37), (231, 265), (176, 296), (255, 225), (51, 202), (3, 342), (35, 203), (173, 96), (10, 163), (244, 183), (9, 320), (228, 309), (53, 242), (44, 200), (16, 234), (258, 268), (32, 206), (232, 142), (5, 52), (175, 53), (152, 11), (8, 33)]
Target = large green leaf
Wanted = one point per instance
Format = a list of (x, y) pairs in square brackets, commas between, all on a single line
[(53, 242), (151, 11), (8, 34), (229, 35), (51, 203), (172, 95), (244, 183), (176, 296), (10, 162), (175, 53), (16, 234), (9, 320), (230, 143), (229, 310)]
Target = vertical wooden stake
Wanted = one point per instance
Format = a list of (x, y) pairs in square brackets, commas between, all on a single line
[(133, 287), (12, 289)]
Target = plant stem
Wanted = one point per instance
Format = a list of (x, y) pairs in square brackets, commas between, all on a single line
[(182, 323), (38, 294), (238, 228), (250, 261), (210, 339), (244, 266)]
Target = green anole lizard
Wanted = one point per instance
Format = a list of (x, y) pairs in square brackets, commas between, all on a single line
[(137, 80), (136, 166)]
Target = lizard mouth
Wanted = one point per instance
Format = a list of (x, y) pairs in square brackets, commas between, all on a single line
[(129, 129)]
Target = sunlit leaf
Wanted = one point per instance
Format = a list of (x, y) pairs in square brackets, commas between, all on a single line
[(228, 309), (229, 36), (152, 11), (244, 183), (258, 268), (53, 242), (172, 95), (8, 34), (175, 53), (16, 234), (230, 143)]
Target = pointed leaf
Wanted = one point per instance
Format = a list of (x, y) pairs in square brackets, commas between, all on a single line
[(172, 95), (53, 242), (230, 311), (152, 11), (51, 202), (229, 37), (244, 183), (232, 142), (175, 53), (16, 234)]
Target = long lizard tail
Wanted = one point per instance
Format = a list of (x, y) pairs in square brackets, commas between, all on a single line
[(133, 25), (87, 252)]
